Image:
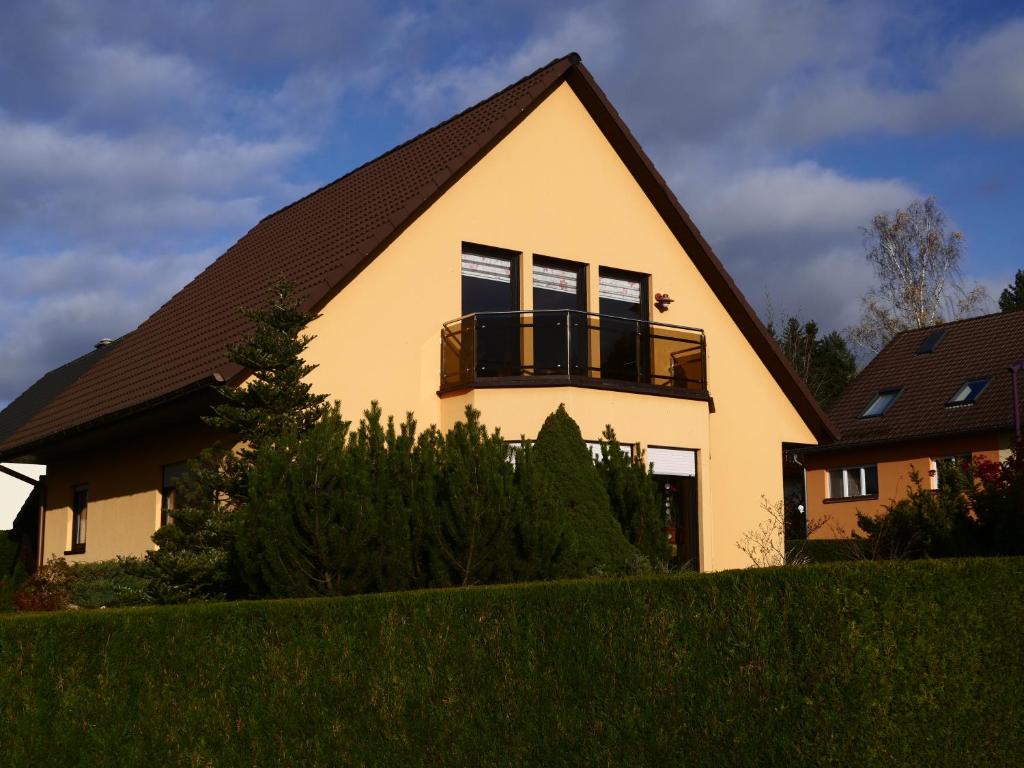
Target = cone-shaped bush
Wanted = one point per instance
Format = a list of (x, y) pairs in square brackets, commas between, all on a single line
[(564, 485), (630, 485)]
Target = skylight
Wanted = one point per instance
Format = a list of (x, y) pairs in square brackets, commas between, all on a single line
[(881, 403), (969, 392), (930, 343)]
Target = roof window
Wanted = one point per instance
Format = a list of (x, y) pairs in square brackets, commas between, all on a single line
[(883, 400), (930, 343), (969, 392)]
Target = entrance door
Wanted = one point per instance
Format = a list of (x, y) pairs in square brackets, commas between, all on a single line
[(559, 335), (625, 338), (490, 294), (675, 476)]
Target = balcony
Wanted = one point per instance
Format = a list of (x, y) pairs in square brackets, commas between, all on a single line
[(567, 347)]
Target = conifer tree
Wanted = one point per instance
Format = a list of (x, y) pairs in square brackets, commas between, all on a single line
[(566, 487), (477, 499), (275, 399), (630, 485)]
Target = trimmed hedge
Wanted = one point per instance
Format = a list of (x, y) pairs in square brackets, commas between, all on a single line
[(843, 664)]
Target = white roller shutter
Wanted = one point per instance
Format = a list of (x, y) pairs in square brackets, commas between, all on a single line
[(678, 462), (555, 279), (494, 268), (619, 289)]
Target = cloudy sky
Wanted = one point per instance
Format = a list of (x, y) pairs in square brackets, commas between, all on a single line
[(138, 141)]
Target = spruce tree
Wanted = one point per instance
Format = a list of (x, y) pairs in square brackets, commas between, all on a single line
[(566, 487), (630, 485), (275, 399)]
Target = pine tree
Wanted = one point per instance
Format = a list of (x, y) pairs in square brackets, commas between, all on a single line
[(473, 529), (566, 487), (630, 485)]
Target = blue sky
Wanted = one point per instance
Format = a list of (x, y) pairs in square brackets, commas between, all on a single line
[(138, 141)]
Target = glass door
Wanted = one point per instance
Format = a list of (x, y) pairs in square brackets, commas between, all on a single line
[(490, 327), (625, 337), (559, 325)]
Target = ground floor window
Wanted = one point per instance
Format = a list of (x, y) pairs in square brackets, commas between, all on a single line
[(168, 490), (79, 518), (936, 466), (853, 482)]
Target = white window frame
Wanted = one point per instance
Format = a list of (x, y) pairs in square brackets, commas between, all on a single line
[(862, 470)]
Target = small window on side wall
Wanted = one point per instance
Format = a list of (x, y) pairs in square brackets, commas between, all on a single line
[(881, 403), (79, 519), (853, 482), (169, 490)]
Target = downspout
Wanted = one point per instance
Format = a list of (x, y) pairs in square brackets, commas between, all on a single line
[(1014, 370)]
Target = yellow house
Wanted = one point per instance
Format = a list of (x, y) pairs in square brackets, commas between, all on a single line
[(521, 254)]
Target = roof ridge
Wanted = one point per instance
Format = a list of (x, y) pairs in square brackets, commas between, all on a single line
[(572, 57), (986, 316)]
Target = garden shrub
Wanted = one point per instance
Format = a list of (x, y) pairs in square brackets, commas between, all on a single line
[(566, 487), (866, 664), (629, 482)]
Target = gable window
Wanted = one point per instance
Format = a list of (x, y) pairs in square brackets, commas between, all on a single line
[(625, 337), (559, 298), (79, 518), (881, 403), (168, 490), (490, 299), (853, 482), (969, 392)]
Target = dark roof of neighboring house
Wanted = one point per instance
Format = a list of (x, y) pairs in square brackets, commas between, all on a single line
[(43, 392), (324, 240), (975, 348)]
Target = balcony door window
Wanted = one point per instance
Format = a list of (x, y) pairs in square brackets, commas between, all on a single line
[(559, 322), (490, 327), (625, 338)]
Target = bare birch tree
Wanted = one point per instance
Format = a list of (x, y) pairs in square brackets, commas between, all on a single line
[(917, 264)]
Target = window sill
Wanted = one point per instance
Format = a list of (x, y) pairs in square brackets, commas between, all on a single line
[(77, 549), (867, 497)]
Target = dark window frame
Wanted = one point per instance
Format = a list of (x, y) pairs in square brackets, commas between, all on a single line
[(971, 400), (79, 505)]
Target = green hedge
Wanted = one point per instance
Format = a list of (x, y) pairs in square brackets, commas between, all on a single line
[(845, 664)]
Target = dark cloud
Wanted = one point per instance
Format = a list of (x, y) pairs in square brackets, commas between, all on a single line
[(139, 139)]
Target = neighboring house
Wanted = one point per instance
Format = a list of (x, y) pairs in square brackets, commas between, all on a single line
[(935, 394), (518, 255)]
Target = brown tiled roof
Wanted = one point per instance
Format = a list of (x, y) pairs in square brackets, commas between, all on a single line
[(975, 348), (322, 241)]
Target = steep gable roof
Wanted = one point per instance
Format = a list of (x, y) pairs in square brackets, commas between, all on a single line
[(975, 348), (322, 241)]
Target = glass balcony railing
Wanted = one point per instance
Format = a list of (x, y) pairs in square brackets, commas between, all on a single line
[(498, 348)]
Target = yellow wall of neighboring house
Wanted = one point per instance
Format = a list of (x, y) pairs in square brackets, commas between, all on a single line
[(555, 187)]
